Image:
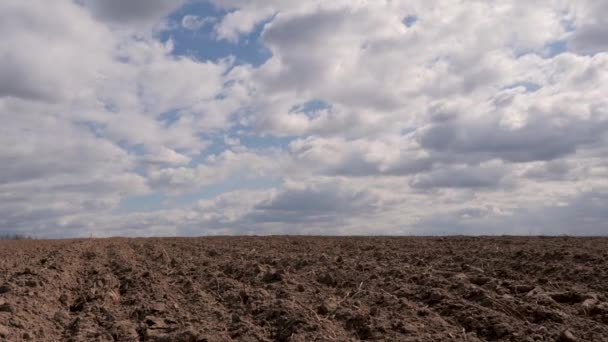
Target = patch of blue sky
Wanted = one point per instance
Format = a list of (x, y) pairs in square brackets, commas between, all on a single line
[(170, 117), (203, 44), (136, 149), (408, 130), (530, 86), (410, 20), (310, 107), (555, 48), (549, 50)]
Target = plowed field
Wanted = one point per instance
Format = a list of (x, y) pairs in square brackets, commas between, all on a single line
[(305, 289)]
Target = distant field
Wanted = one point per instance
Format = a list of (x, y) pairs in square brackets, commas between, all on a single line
[(305, 289)]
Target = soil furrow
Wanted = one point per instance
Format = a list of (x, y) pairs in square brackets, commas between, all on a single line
[(305, 289)]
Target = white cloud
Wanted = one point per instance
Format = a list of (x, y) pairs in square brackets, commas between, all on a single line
[(484, 116), (194, 22), (49, 50), (242, 166), (240, 22)]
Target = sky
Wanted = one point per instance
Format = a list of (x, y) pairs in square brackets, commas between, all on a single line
[(341, 117)]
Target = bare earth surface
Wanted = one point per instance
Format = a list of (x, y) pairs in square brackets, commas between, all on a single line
[(305, 289)]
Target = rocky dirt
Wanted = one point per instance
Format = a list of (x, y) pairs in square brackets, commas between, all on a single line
[(305, 289)]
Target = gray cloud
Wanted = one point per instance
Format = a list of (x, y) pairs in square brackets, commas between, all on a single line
[(132, 11), (315, 203), (585, 214), (590, 39), (546, 136), (590, 34), (552, 170), (467, 177), (18, 82)]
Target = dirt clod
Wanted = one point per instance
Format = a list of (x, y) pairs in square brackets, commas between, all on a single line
[(567, 336), (272, 277), (4, 332), (327, 279)]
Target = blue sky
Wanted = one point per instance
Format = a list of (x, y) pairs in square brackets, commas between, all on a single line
[(193, 117), (202, 43)]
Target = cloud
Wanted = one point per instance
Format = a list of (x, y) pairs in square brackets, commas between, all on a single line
[(312, 203), (132, 11), (238, 22), (489, 176), (375, 117), (590, 31), (74, 123), (243, 166), (551, 170), (543, 137), (584, 214), (32, 152), (72, 44), (165, 156), (193, 22), (361, 157)]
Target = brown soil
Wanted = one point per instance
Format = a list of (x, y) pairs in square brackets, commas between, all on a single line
[(305, 289)]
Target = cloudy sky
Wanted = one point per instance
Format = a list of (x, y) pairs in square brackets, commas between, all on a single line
[(166, 117)]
